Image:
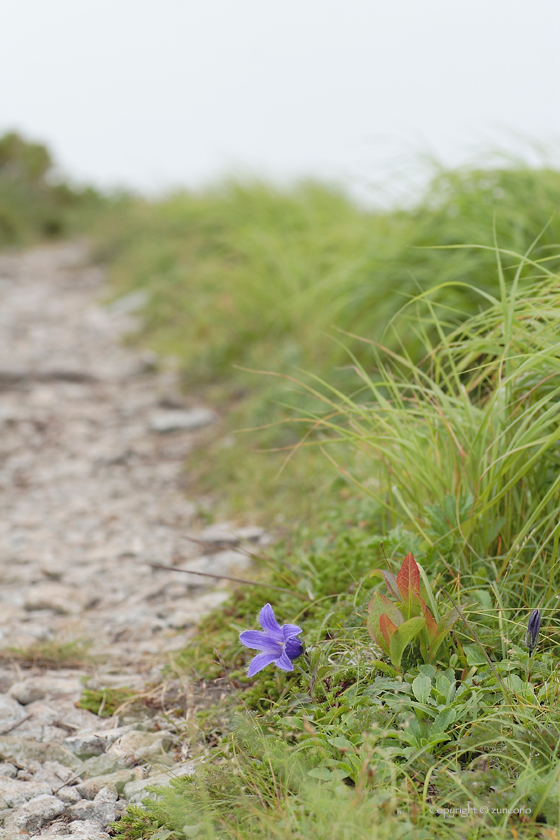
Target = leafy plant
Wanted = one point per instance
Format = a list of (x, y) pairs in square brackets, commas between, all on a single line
[(393, 626)]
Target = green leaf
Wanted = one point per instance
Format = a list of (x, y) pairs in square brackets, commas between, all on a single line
[(444, 626), (422, 687), (443, 720), (447, 622), (442, 684), (402, 636), (191, 830), (474, 655), (427, 670), (341, 743), (322, 773), (162, 834), (451, 694), (384, 667)]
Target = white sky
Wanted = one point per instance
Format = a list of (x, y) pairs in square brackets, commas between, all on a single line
[(154, 93)]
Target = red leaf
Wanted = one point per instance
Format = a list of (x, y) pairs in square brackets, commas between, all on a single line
[(390, 581), (408, 578), (378, 605), (431, 624), (387, 627)]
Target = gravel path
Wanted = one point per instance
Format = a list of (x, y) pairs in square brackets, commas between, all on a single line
[(92, 456)]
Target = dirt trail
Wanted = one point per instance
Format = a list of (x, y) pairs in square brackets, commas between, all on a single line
[(92, 454)]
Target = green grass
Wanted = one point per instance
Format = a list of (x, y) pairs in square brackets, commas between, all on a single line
[(49, 654), (105, 701), (245, 276), (455, 457)]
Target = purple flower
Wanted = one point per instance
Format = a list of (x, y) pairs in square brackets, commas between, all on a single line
[(278, 644), (533, 628)]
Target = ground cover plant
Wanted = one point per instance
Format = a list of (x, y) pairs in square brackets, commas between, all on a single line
[(247, 276), (454, 457)]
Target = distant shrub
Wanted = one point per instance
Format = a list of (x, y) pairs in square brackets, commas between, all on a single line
[(35, 202)]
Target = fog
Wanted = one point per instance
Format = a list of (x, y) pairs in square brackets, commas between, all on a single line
[(151, 94)]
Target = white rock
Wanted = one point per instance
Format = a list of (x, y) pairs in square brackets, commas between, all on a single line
[(219, 533), (8, 770), (11, 613), (86, 744), (36, 688), (181, 421), (88, 829), (136, 791), (250, 533), (23, 752), (100, 765), (102, 808), (35, 813), (68, 794), (190, 610), (15, 792), (12, 834), (10, 712), (114, 781), (224, 533), (130, 303), (59, 770), (136, 745), (63, 710), (221, 563), (66, 600)]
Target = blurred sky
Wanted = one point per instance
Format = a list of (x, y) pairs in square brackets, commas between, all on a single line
[(153, 94)]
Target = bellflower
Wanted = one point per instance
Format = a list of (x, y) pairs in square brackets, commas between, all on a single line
[(533, 628), (277, 643)]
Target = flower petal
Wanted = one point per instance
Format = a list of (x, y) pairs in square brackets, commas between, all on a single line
[(284, 662), (257, 640), (293, 648), (290, 630), (260, 661), (269, 623)]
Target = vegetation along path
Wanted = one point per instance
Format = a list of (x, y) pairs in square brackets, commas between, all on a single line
[(92, 453)]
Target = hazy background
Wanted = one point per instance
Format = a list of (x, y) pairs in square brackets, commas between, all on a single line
[(151, 94)]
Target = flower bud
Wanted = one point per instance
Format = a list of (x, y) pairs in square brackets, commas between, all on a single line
[(533, 628)]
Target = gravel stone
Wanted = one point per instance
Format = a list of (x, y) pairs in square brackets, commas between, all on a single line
[(10, 712), (136, 791), (130, 303), (36, 688), (136, 745), (86, 745), (22, 752), (181, 421), (35, 813), (103, 808), (67, 794), (14, 792), (113, 781), (8, 770), (220, 533), (67, 600)]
